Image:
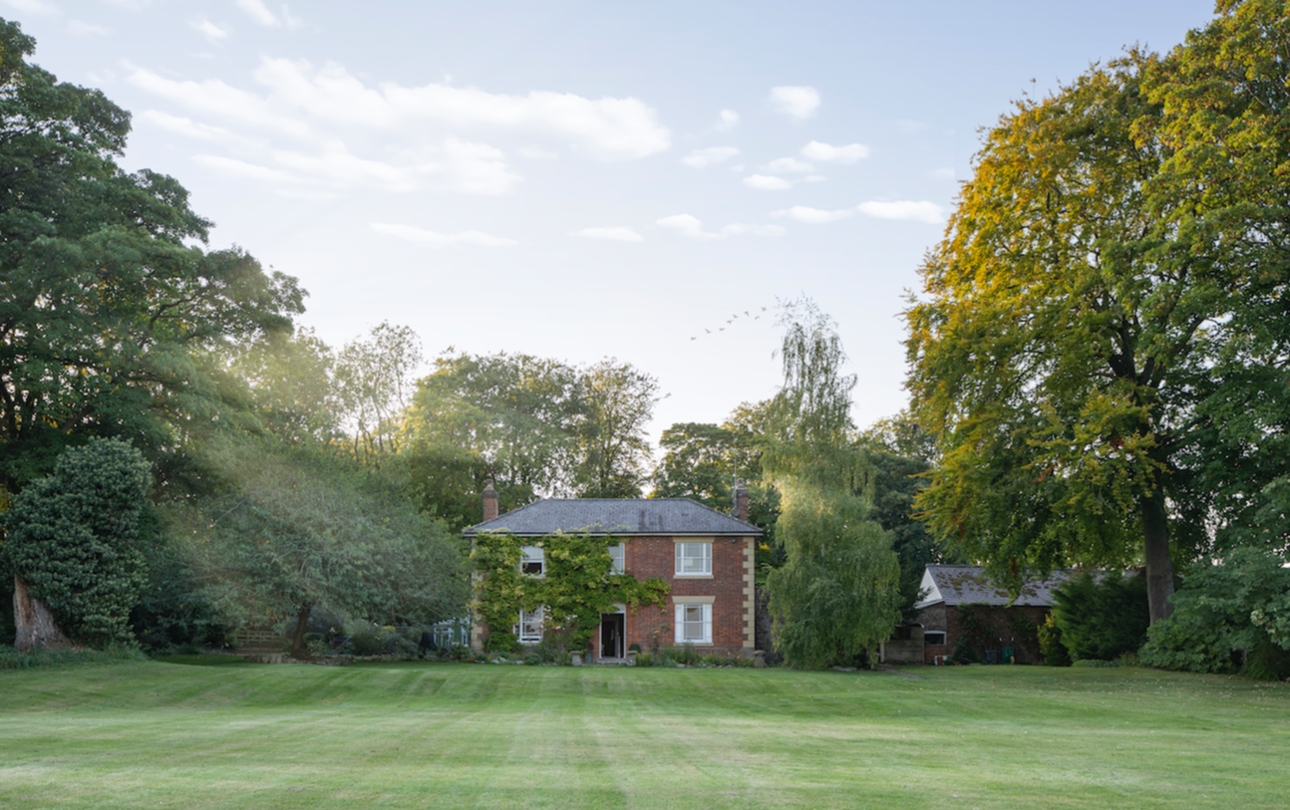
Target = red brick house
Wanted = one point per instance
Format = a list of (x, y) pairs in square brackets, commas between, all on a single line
[(706, 556), (961, 610)]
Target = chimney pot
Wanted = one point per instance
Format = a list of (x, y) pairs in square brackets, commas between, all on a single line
[(490, 501), (740, 497)]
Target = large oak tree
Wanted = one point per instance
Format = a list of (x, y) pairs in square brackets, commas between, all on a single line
[(1101, 346)]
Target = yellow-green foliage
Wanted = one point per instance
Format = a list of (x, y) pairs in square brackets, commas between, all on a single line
[(578, 583)]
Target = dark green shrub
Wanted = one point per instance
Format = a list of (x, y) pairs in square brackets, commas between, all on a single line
[(73, 536), (365, 640), (501, 642), (1227, 618), (1102, 620), (1050, 644)]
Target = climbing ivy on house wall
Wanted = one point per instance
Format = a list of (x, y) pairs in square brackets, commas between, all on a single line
[(578, 584)]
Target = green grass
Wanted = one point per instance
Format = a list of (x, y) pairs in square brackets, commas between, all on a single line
[(154, 734)]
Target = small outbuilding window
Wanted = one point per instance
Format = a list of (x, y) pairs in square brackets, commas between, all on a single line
[(932, 638)]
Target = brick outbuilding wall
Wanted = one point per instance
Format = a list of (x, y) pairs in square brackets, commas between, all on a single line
[(993, 627)]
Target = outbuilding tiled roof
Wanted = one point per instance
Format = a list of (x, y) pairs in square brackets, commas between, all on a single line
[(619, 516), (967, 585)]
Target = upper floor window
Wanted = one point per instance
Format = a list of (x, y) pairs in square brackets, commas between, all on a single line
[(533, 561), (693, 559), (618, 557)]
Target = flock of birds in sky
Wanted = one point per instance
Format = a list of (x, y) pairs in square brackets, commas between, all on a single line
[(732, 319)]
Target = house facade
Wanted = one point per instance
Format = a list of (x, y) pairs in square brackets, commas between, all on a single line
[(962, 613), (705, 556)]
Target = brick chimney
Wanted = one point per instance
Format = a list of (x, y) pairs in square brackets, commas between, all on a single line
[(740, 500), (490, 501)]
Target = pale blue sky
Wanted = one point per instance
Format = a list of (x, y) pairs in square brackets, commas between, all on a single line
[(580, 180)]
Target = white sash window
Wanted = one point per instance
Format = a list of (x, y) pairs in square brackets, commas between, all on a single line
[(694, 624), (693, 559)]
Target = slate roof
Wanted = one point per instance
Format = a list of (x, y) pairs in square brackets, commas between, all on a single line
[(620, 516), (967, 585)]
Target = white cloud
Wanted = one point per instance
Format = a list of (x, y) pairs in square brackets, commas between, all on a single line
[(813, 216), (194, 129), (765, 182), (614, 234), (210, 30), (537, 153), (754, 230), (434, 239), (240, 168), (795, 102), (259, 12), (36, 7), (335, 165), (476, 168), (702, 158), (692, 227), (905, 209), (835, 154), (727, 119), (920, 211), (687, 225), (78, 28), (217, 99), (607, 128), (789, 164)]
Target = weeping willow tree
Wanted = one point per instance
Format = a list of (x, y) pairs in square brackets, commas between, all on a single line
[(837, 595)]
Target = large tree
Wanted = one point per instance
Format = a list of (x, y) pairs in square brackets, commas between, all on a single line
[(287, 530), (899, 457), (613, 451), (1224, 199), (1102, 344), (836, 596), (374, 384), (105, 301), (512, 418), (1059, 342)]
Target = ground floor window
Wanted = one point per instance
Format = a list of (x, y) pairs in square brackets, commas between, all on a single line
[(452, 633), (694, 624), (933, 637), (529, 630)]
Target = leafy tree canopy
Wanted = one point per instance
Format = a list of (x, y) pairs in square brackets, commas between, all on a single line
[(290, 529), (104, 302), (836, 596), (509, 418), (73, 536)]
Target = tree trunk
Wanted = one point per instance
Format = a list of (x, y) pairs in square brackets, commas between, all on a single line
[(34, 624), (1160, 568), (298, 648)]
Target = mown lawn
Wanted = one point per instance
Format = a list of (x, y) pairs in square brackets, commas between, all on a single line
[(152, 734)]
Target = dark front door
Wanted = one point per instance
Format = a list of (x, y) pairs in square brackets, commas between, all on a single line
[(612, 628)]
